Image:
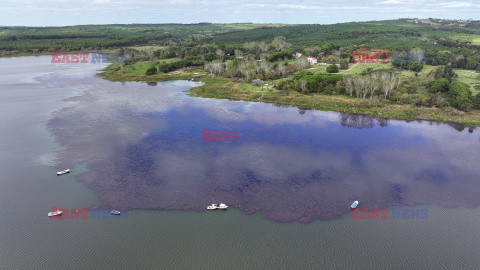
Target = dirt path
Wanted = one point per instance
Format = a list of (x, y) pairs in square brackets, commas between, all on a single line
[(350, 68)]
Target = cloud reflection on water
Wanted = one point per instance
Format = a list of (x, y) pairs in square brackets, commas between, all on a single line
[(142, 146)]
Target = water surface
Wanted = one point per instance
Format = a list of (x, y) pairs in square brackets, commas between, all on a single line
[(137, 146), (142, 145)]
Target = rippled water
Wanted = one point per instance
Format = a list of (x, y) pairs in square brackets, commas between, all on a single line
[(143, 147), (138, 146)]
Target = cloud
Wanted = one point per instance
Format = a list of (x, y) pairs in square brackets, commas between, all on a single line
[(68, 12)]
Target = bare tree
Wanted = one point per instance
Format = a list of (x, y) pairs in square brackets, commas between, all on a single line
[(349, 85), (281, 69), (215, 67), (280, 44), (238, 53), (245, 69), (252, 47), (303, 84), (417, 54), (390, 82), (301, 63), (265, 67), (220, 54), (367, 85), (263, 47), (373, 84), (360, 86)]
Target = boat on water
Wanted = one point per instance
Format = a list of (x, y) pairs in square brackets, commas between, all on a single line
[(216, 206), (63, 172), (115, 212), (55, 213), (354, 205)]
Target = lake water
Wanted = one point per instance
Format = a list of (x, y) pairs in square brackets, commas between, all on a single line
[(289, 179)]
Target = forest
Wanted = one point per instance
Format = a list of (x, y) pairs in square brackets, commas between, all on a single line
[(280, 56)]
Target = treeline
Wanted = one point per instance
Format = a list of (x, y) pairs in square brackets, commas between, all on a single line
[(442, 44), (388, 86), (458, 94), (90, 37), (307, 82), (438, 42)]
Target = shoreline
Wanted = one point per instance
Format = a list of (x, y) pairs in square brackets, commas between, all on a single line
[(226, 88)]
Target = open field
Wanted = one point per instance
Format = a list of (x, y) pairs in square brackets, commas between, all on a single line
[(475, 39), (469, 77), (360, 67)]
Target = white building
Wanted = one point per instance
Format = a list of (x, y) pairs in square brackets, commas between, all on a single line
[(312, 60)]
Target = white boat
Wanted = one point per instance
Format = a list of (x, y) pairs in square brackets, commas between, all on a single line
[(55, 213), (212, 207), (216, 206), (115, 212), (354, 205), (63, 172)]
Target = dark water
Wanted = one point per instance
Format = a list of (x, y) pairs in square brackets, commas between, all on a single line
[(138, 146)]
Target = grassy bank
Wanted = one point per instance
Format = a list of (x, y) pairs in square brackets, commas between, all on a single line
[(225, 88), (137, 71)]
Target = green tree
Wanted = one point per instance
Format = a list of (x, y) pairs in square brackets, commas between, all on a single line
[(476, 102), (344, 64), (327, 48), (151, 71), (416, 66), (332, 69), (440, 85), (230, 65), (345, 54), (461, 96), (448, 73)]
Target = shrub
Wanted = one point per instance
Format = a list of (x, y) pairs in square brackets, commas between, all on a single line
[(151, 71), (257, 82), (440, 85), (461, 96), (332, 69), (476, 102)]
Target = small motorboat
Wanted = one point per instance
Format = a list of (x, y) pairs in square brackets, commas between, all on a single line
[(63, 172), (216, 206), (55, 213), (354, 205), (212, 207), (115, 212)]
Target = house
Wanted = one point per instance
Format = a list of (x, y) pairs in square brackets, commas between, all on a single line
[(364, 55), (297, 55), (312, 60)]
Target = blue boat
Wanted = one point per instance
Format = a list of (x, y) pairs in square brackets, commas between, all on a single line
[(354, 205)]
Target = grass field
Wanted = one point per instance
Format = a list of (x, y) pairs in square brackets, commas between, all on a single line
[(475, 39), (469, 77), (360, 67)]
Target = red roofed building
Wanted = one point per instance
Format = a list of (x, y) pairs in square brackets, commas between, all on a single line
[(364, 55)]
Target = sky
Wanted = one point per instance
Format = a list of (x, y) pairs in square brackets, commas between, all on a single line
[(75, 12)]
